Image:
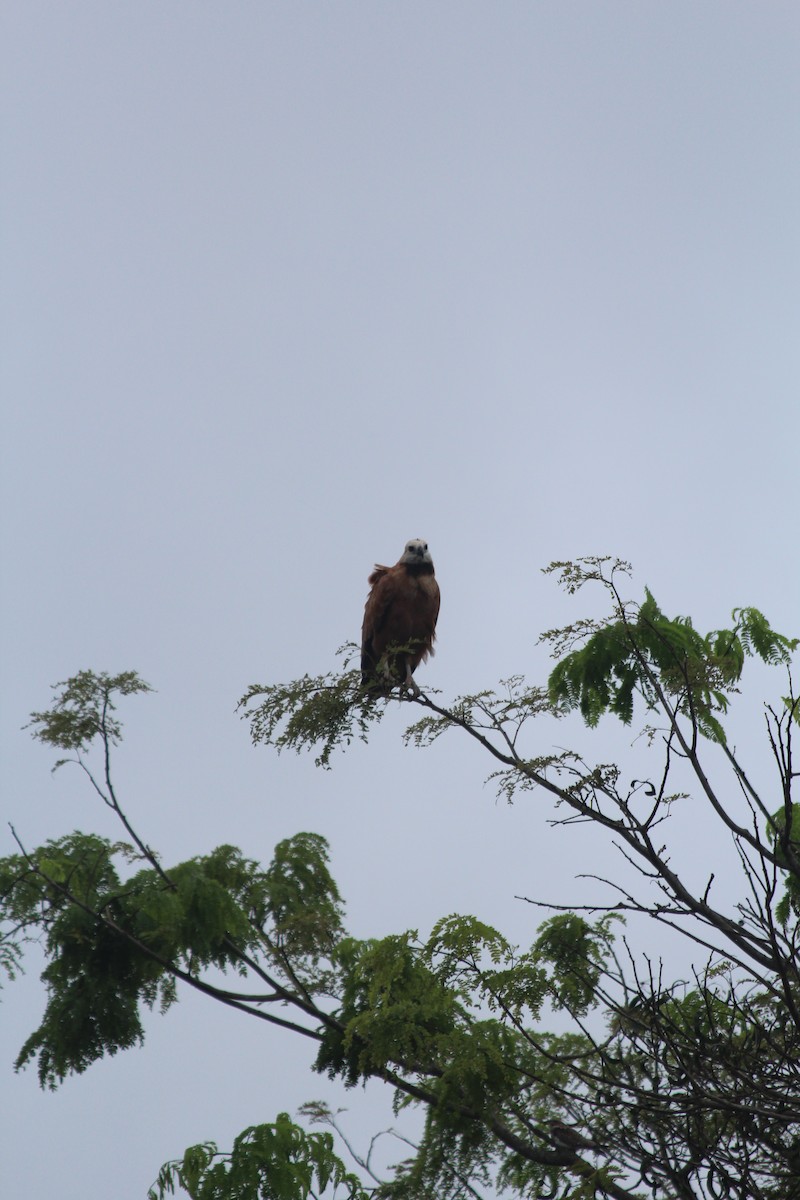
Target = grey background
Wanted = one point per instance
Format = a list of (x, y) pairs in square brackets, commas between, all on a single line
[(285, 285)]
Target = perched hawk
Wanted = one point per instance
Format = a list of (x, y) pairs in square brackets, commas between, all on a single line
[(568, 1138), (399, 621)]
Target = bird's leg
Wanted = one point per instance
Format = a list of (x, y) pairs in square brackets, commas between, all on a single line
[(409, 686)]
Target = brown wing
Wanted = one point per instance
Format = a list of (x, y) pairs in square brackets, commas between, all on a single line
[(379, 600)]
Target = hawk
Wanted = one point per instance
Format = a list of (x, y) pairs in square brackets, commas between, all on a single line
[(399, 621), (566, 1137)]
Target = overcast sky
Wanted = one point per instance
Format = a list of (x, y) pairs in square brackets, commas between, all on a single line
[(285, 285)]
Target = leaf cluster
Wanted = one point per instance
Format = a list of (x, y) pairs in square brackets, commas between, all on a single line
[(641, 650), (83, 709), (274, 1161), (391, 1009), (115, 944), (325, 711)]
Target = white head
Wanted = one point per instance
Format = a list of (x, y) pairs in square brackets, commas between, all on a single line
[(416, 552)]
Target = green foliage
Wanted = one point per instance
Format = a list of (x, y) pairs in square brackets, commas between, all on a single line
[(116, 944), (454, 1011), (641, 650), (784, 829), (760, 640), (688, 1082), (304, 901), (577, 952), (93, 979), (784, 832), (488, 971), (276, 1161), (83, 710), (515, 702), (392, 1009), (481, 1075), (323, 710)]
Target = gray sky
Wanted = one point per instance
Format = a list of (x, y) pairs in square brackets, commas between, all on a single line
[(285, 285)]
